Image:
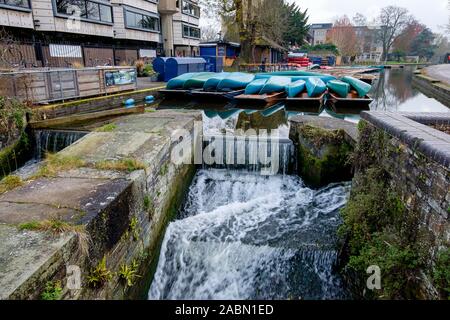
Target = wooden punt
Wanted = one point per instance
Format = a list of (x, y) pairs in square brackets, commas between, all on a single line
[(305, 101), (352, 101), (174, 92), (201, 94), (260, 99)]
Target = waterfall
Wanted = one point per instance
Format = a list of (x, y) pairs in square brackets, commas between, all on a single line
[(249, 153), (242, 235), (54, 140)]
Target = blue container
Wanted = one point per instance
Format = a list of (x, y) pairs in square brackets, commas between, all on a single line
[(159, 65), (129, 103), (178, 66), (208, 50), (149, 99)]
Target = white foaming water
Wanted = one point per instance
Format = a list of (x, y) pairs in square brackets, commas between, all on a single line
[(245, 236)]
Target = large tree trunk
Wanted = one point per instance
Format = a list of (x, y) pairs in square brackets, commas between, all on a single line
[(245, 35)]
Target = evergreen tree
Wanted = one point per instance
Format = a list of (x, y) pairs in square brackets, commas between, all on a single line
[(297, 27)]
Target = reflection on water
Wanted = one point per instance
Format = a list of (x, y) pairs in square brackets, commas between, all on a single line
[(393, 91)]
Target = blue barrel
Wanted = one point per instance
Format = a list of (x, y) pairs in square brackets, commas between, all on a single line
[(159, 65)]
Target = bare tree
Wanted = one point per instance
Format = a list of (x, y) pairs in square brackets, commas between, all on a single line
[(360, 20), (343, 35), (393, 21)]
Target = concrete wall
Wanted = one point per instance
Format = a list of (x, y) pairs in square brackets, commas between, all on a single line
[(418, 160), (124, 213)]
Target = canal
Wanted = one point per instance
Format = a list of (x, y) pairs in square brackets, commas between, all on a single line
[(243, 235)]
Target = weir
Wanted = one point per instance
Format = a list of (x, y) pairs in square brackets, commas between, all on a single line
[(52, 141)]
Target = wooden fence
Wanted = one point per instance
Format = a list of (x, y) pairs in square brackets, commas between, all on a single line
[(48, 85)]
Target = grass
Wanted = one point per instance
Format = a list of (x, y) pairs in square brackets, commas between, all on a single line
[(55, 163), (107, 128), (10, 182), (128, 165), (53, 225)]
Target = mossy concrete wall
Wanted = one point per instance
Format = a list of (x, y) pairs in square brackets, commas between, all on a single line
[(398, 213), (123, 213), (432, 88), (323, 148)]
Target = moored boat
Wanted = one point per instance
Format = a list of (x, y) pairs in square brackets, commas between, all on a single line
[(212, 83), (235, 81), (339, 87), (255, 86), (275, 84), (315, 87), (361, 87), (351, 101), (293, 89), (178, 82), (198, 80)]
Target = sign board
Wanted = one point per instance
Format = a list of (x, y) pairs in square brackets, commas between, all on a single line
[(120, 77), (147, 53)]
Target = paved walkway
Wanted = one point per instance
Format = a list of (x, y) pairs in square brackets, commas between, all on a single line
[(440, 72)]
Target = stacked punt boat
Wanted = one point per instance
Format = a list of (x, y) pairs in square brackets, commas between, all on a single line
[(293, 87)]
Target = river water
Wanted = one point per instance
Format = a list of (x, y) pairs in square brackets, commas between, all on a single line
[(246, 236), (242, 235)]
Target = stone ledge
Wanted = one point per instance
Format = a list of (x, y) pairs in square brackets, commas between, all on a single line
[(411, 129)]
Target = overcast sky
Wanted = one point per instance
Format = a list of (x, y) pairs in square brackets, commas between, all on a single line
[(433, 13)]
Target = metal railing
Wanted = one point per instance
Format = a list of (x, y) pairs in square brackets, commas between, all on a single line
[(270, 67)]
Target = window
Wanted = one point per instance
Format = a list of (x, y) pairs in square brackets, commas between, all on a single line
[(191, 9), (191, 32), (16, 3), (89, 10), (141, 21)]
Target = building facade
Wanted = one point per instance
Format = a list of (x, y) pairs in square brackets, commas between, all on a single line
[(370, 48), (99, 32), (318, 33)]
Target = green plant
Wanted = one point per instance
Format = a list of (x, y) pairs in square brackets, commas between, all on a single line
[(55, 163), (129, 273), (10, 182), (107, 128), (129, 165), (99, 275), (164, 169), (441, 275), (12, 114), (134, 228), (53, 225), (53, 291), (147, 203)]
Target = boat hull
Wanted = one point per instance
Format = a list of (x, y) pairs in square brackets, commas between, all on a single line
[(235, 81), (295, 88), (275, 84), (351, 102), (361, 87), (255, 86), (339, 87), (304, 101), (178, 82)]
